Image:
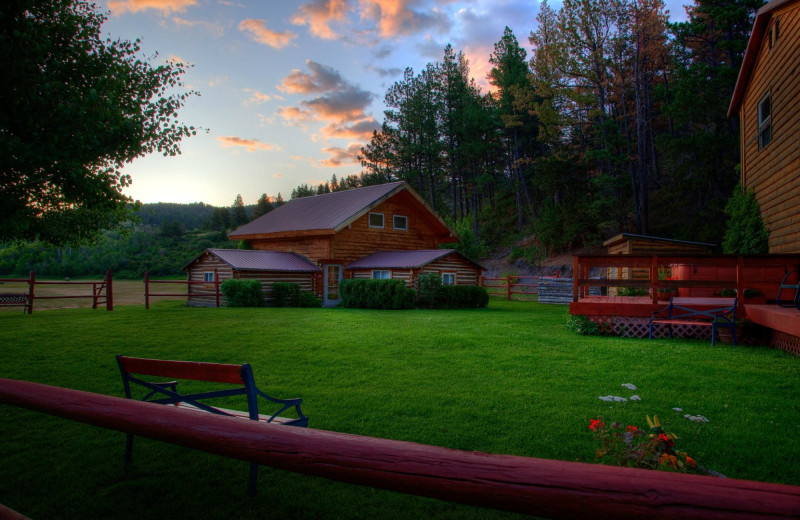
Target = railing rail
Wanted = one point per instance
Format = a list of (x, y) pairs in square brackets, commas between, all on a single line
[(188, 283), (102, 291), (511, 285), (741, 271), (547, 488)]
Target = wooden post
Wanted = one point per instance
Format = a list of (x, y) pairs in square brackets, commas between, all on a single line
[(216, 285), (575, 274), (653, 278), (146, 290), (508, 287), (546, 488), (31, 291), (109, 291), (94, 295), (740, 286)]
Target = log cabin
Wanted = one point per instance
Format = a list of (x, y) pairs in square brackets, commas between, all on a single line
[(341, 232), (767, 101)]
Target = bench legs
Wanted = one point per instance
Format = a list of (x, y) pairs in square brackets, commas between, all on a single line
[(253, 484)]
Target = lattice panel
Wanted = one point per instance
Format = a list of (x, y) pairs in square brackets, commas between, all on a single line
[(787, 342), (631, 327)]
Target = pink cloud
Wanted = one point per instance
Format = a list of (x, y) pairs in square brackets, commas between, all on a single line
[(361, 130), (342, 156), (322, 79), (319, 14), (397, 17), (259, 32), (250, 144), (212, 28), (134, 6)]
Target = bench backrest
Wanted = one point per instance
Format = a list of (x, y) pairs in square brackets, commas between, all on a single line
[(701, 307), (166, 393)]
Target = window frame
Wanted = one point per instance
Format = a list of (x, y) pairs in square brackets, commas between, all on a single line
[(394, 222), (449, 274), (387, 271), (383, 220), (764, 121), (208, 276)]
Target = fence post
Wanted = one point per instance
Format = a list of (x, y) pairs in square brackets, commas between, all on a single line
[(146, 290), (94, 295), (216, 285), (508, 287), (576, 265), (653, 278), (31, 292), (109, 290)]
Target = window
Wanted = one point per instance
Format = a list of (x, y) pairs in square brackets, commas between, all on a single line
[(764, 121), (208, 276), (448, 278), (376, 220), (381, 275), (401, 222)]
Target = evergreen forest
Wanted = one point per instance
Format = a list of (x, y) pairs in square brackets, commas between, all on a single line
[(616, 121)]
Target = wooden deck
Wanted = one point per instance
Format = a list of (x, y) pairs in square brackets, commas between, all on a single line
[(786, 320), (630, 306)]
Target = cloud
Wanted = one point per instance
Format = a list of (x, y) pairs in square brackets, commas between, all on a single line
[(361, 130), (319, 14), (134, 6), (212, 28), (295, 116), (342, 156), (322, 79), (256, 97), (340, 107), (398, 17), (250, 144), (259, 32)]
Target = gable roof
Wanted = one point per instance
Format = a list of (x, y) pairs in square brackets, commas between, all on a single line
[(252, 260), (326, 214), (405, 259), (751, 54)]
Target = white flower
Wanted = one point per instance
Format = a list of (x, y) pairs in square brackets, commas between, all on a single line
[(629, 386), (696, 418), (606, 398), (619, 399), (635, 398), (678, 409)]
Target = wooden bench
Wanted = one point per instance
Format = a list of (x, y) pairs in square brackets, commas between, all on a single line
[(11, 299), (697, 312), (166, 392)]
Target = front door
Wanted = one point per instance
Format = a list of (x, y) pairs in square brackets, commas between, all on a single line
[(333, 275)]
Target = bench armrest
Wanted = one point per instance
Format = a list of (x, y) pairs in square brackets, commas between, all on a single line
[(666, 312), (287, 403)]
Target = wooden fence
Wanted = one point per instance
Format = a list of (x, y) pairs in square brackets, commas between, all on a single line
[(188, 283), (102, 291), (509, 286), (545, 488)]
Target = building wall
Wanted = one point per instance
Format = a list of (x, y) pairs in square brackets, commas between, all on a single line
[(315, 248), (774, 171), (466, 272), (359, 239)]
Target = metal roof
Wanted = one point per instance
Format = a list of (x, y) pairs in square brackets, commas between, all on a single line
[(253, 260), (404, 259), (321, 212)]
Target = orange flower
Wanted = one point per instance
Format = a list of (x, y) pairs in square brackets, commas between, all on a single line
[(691, 462)]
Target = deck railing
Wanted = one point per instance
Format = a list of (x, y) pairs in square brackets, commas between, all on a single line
[(757, 273)]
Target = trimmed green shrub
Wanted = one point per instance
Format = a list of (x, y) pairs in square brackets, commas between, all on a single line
[(746, 233), (288, 294), (433, 294), (285, 294), (242, 293), (376, 294)]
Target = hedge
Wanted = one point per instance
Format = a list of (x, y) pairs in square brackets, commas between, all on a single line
[(242, 293), (376, 294), (288, 294)]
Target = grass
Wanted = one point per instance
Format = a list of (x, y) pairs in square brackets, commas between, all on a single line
[(507, 379)]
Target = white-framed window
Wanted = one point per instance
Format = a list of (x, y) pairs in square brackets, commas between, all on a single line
[(400, 222), (448, 278), (381, 274), (208, 276), (764, 121), (376, 220)]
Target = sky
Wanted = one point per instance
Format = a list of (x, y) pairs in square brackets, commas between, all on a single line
[(291, 90)]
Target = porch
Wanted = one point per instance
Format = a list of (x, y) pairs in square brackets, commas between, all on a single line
[(634, 286)]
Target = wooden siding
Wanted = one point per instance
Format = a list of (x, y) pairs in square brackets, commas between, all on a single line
[(467, 273), (204, 295), (359, 240), (313, 248), (774, 171), (397, 274)]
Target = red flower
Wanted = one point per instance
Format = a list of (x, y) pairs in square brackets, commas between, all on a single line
[(596, 424), (663, 437), (631, 428)]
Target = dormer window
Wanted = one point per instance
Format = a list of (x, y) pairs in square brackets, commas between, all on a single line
[(376, 220), (764, 121)]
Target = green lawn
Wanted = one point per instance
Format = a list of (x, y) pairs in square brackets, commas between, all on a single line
[(507, 379)]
